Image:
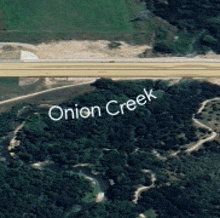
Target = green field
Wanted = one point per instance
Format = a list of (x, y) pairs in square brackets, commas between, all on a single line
[(43, 21), (9, 81), (67, 16), (172, 28)]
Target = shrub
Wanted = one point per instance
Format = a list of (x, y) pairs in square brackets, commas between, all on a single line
[(162, 48)]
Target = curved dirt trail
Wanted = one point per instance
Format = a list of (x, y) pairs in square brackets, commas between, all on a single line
[(205, 102), (211, 137), (100, 196), (138, 192), (13, 142), (196, 146), (200, 142), (158, 155), (201, 124)]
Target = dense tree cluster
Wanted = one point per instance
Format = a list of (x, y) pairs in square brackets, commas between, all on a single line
[(120, 148), (198, 19), (27, 192)]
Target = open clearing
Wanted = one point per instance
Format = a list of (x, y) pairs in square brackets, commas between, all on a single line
[(67, 16), (96, 51)]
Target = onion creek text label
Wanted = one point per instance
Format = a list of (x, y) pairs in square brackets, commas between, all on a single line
[(112, 108)]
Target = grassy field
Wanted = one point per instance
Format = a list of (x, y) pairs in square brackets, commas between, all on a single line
[(9, 81), (67, 16), (36, 21)]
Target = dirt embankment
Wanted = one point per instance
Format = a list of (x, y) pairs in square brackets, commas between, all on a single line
[(90, 51), (76, 49), (87, 49)]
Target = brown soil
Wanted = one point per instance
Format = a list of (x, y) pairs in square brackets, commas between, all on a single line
[(76, 49), (87, 49), (91, 49)]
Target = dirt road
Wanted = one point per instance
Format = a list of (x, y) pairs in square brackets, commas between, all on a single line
[(200, 142), (213, 134), (138, 192), (194, 147), (14, 142), (206, 102), (44, 91), (127, 60)]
